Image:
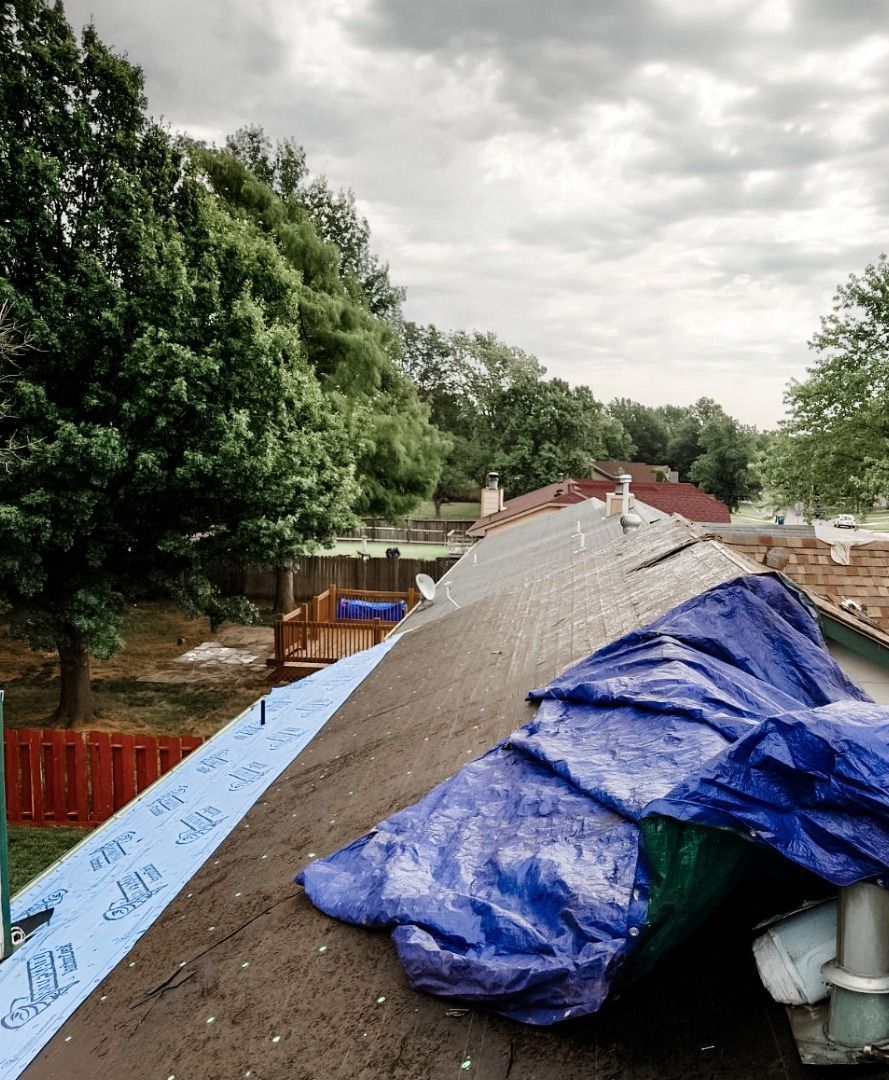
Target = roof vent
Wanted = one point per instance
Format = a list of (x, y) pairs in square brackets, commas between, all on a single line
[(629, 519)]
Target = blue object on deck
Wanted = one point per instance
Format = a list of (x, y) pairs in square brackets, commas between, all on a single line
[(520, 883), (368, 609)]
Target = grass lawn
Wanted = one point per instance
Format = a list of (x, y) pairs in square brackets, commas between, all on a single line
[(33, 847), (876, 519), (378, 549), (463, 511), (748, 514), (126, 698)]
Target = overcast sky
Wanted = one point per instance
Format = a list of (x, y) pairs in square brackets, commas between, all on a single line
[(655, 197)]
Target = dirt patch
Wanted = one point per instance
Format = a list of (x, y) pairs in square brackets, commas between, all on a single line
[(146, 687)]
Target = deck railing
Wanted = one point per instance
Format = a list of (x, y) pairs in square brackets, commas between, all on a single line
[(313, 634)]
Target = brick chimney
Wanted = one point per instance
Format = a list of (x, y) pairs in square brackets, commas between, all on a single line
[(491, 495)]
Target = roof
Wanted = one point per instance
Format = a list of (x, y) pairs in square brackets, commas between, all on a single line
[(684, 499), (513, 556), (809, 562), (640, 472), (295, 994)]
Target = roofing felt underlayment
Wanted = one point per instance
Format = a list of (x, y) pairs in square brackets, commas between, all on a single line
[(105, 893), (293, 994)]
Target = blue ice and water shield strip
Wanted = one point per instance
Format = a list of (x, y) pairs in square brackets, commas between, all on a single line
[(108, 891)]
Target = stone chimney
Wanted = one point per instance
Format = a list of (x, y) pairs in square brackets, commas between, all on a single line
[(491, 495)]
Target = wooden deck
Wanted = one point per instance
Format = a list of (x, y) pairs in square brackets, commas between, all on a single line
[(311, 636)]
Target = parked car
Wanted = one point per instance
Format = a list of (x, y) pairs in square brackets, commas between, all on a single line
[(845, 521)]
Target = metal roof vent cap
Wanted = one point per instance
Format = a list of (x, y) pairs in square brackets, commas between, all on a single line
[(629, 520)]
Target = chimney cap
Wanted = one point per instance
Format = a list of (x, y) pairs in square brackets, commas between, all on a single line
[(492, 480)]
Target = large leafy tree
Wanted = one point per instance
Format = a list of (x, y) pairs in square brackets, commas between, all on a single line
[(462, 377), (723, 468), (398, 451), (549, 430), (334, 214), (833, 449), (167, 411), (647, 428)]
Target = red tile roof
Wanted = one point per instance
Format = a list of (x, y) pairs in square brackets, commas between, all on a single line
[(683, 499)]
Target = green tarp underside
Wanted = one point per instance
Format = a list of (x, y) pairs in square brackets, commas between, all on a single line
[(691, 869)]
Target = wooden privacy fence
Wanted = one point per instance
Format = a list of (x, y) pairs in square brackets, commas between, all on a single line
[(82, 777), (314, 573), (414, 531)]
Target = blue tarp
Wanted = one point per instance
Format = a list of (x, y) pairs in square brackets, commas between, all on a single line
[(371, 609), (520, 883)]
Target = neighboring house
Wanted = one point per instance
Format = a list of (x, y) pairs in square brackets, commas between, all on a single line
[(242, 976), (861, 584), (640, 472), (685, 499)]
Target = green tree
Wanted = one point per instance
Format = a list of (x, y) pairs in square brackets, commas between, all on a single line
[(548, 430), (833, 450), (646, 427), (166, 409), (13, 344), (462, 377), (350, 349), (334, 214), (723, 466)]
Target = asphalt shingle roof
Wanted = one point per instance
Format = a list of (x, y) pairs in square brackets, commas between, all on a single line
[(685, 499)]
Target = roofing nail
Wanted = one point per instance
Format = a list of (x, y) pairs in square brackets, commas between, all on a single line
[(467, 1064), (380, 1000), (276, 1038), (322, 948), (210, 1019)]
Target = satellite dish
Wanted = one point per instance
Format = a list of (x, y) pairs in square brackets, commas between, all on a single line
[(426, 586)]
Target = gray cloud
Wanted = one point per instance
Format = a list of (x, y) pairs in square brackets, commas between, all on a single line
[(656, 197)]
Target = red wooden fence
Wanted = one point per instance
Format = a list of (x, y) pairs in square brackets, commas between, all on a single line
[(82, 777)]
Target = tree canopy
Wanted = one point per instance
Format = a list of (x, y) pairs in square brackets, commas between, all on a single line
[(831, 453), (398, 452), (167, 408)]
